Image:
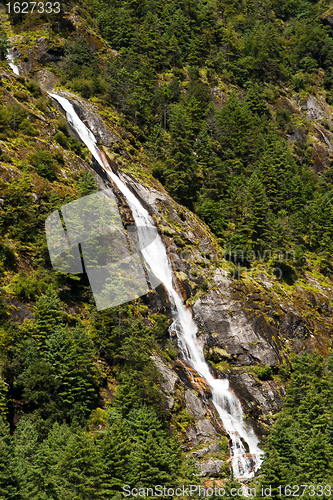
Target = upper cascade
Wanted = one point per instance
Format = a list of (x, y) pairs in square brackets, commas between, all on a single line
[(244, 462), (11, 61)]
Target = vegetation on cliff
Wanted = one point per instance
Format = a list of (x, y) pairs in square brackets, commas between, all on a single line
[(203, 93)]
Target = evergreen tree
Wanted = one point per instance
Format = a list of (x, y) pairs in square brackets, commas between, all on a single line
[(8, 485), (87, 184), (257, 211)]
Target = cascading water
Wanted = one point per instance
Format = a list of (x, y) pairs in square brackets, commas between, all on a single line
[(10, 58), (227, 405)]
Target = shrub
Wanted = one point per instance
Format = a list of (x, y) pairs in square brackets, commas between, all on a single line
[(41, 104), (78, 148), (29, 287), (21, 96), (33, 88), (62, 125), (45, 164), (264, 372), (61, 139), (298, 81), (204, 286), (27, 128), (7, 255), (83, 86)]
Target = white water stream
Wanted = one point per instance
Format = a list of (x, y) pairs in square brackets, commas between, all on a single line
[(10, 58), (227, 405)]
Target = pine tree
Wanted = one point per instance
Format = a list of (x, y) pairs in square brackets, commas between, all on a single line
[(8, 484), (47, 315), (257, 211), (87, 184), (115, 448)]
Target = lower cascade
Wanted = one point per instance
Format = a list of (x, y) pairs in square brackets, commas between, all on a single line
[(244, 463)]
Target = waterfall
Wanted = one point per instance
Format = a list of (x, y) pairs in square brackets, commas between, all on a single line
[(10, 58), (227, 405)]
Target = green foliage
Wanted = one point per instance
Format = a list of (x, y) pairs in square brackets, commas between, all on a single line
[(45, 163), (11, 117), (19, 219), (21, 96), (264, 372), (70, 463), (62, 125), (299, 448), (87, 184), (4, 44), (61, 139), (8, 258), (30, 287), (3, 398), (33, 88), (67, 142), (79, 54), (59, 379), (27, 128), (7, 479)]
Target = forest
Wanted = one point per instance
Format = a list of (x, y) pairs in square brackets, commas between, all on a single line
[(229, 160)]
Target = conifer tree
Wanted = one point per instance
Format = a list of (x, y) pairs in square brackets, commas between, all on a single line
[(257, 210)]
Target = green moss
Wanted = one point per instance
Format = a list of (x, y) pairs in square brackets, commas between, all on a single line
[(178, 240), (263, 372)]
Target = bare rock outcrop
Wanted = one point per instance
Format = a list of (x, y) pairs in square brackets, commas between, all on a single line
[(211, 468)]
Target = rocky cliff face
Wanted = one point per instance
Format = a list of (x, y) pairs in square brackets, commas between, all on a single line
[(309, 126), (249, 321)]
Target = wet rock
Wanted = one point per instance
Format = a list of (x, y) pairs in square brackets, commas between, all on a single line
[(320, 157), (192, 436), (297, 135), (190, 377), (260, 399), (211, 468), (219, 97), (51, 55), (170, 402), (287, 104), (18, 311)]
